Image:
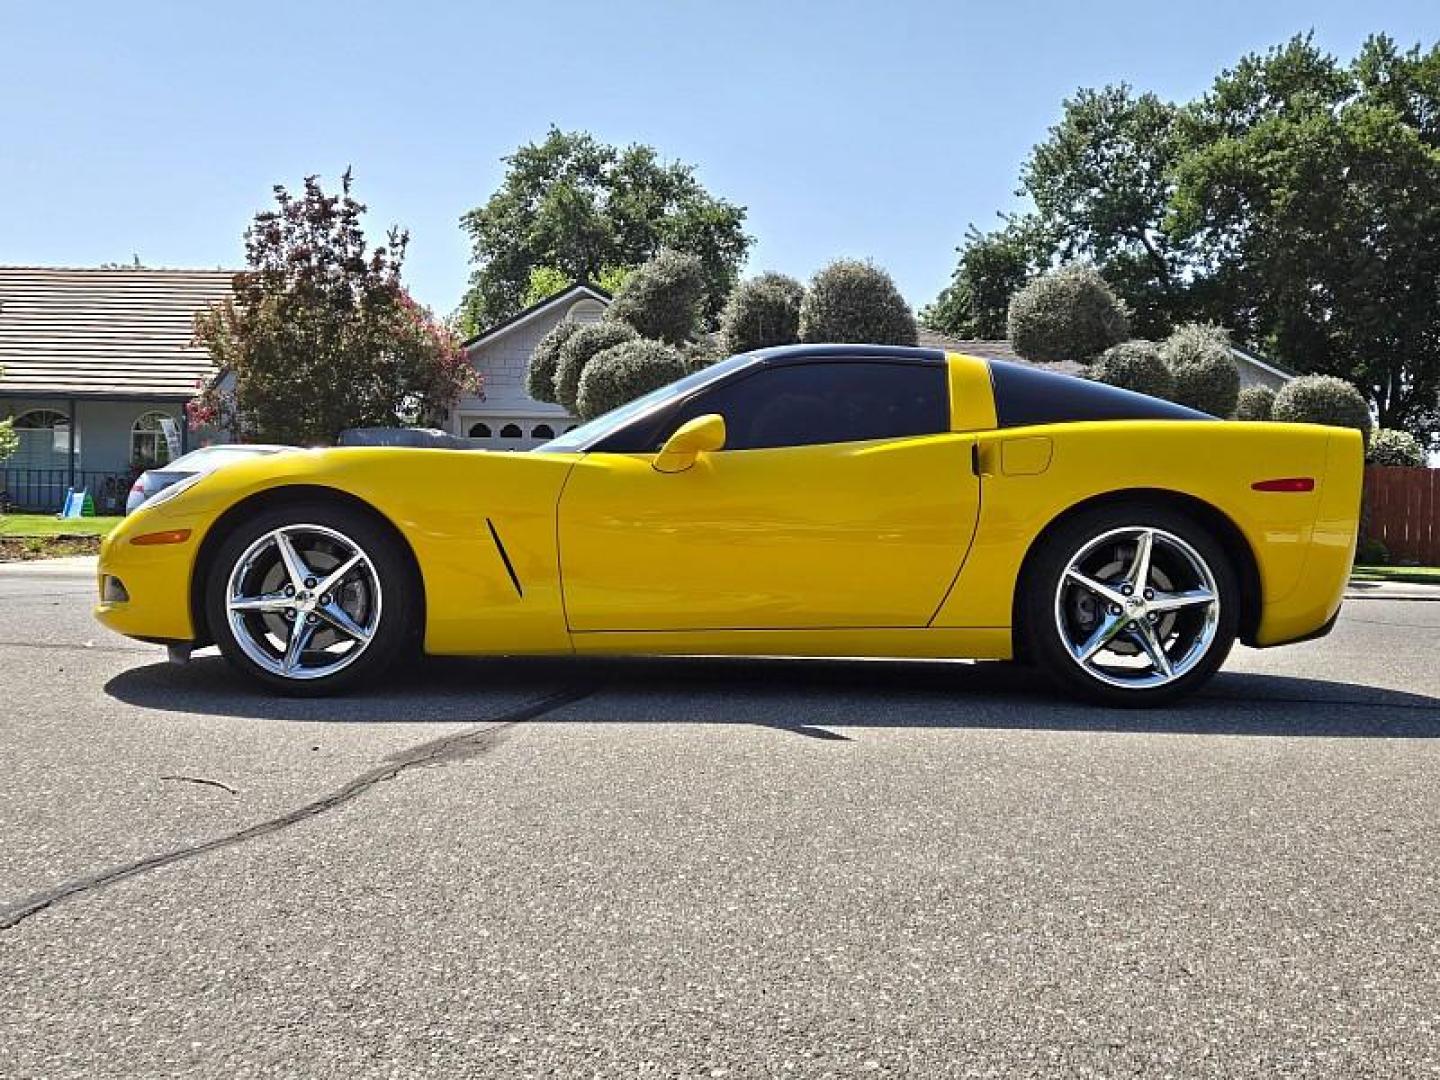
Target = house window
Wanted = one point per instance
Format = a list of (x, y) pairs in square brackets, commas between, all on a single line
[(479, 431), (148, 445), (44, 440), (511, 431), (542, 431)]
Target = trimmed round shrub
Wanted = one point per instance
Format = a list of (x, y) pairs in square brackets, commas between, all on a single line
[(1322, 399), (540, 379), (856, 303), (1255, 403), (662, 298), (1135, 365), (1069, 314), (1206, 378), (700, 354), (577, 351), (762, 311), (1391, 447), (624, 372)]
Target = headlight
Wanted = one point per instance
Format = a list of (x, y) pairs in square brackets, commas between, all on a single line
[(166, 494)]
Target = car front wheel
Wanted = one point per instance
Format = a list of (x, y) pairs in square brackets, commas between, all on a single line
[(1131, 605), (310, 601)]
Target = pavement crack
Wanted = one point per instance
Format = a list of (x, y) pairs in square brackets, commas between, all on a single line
[(203, 780), (463, 744)]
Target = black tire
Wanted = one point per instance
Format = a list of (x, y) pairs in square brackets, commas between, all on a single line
[(397, 610), (1046, 616)]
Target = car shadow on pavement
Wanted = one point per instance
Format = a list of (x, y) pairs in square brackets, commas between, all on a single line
[(809, 697)]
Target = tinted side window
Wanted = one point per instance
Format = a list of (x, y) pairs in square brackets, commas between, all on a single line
[(814, 403)]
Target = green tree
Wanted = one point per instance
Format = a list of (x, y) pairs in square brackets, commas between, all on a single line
[(574, 204), (854, 301), (1311, 186), (662, 297), (1101, 184), (1293, 203), (1069, 314), (762, 311), (545, 282), (320, 334), (993, 267)]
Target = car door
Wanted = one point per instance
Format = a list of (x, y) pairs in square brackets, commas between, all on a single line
[(840, 499)]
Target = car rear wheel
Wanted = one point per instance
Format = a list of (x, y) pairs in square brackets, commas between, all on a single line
[(310, 601), (1130, 605)]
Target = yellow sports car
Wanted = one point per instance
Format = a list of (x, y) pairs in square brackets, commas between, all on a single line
[(835, 500)]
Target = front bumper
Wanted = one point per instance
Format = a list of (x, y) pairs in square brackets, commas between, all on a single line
[(155, 580)]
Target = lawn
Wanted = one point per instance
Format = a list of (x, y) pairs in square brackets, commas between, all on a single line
[(1418, 575), (50, 525)]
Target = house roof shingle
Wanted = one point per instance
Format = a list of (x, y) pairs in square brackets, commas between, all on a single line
[(104, 332)]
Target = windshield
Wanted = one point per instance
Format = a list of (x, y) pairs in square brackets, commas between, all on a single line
[(579, 438)]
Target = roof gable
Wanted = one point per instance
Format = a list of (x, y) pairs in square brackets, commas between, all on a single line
[(578, 291), (104, 332)]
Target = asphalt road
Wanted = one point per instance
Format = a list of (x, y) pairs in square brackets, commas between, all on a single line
[(715, 868)]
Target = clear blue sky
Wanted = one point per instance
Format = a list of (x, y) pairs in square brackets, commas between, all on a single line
[(873, 129)]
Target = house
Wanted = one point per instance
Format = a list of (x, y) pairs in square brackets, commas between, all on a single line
[(506, 417), (95, 368), (1255, 370)]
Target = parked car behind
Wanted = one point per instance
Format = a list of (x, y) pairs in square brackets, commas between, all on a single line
[(206, 459)]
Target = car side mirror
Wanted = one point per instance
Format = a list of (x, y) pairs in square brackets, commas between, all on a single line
[(698, 436)]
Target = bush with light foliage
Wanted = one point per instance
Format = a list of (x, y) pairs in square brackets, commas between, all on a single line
[(1206, 378), (540, 379), (1391, 447), (9, 441), (625, 372), (1070, 314), (762, 311), (576, 353), (663, 298), (1255, 403), (856, 302), (1135, 365), (1322, 399)]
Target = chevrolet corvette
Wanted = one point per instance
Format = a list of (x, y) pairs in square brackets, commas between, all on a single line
[(813, 500)]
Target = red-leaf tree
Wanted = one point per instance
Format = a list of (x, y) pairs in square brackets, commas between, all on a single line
[(321, 334)]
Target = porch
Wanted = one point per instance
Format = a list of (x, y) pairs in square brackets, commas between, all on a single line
[(96, 443)]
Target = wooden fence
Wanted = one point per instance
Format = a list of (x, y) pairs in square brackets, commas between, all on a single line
[(1404, 506)]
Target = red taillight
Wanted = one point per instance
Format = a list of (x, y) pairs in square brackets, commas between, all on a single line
[(1287, 483)]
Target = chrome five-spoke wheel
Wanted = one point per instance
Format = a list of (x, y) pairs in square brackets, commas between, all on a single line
[(1129, 604), (1137, 607), (303, 601)]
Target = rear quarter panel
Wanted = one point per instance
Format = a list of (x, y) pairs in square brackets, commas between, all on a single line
[(1302, 542)]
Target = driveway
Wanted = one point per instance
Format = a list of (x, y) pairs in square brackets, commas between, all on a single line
[(710, 868)]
